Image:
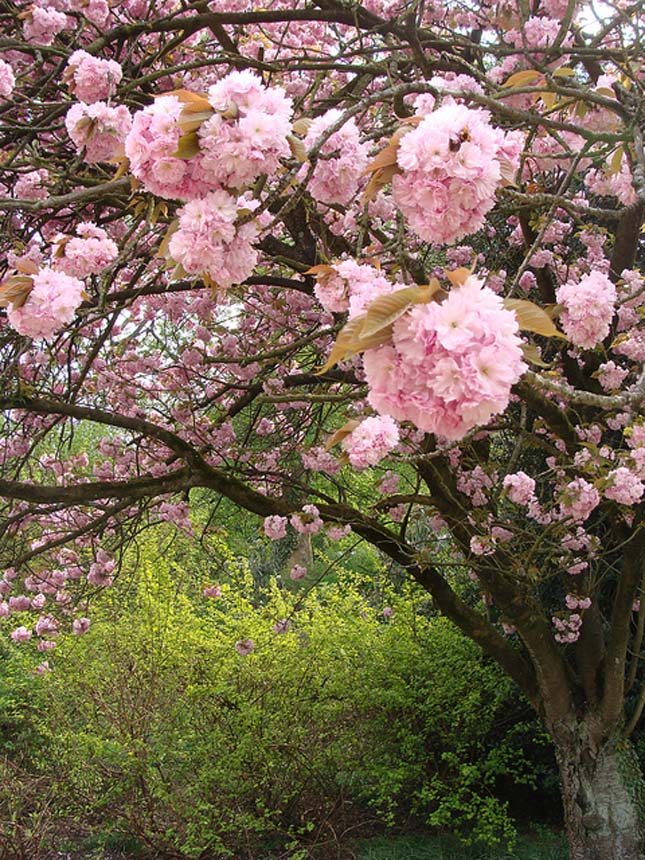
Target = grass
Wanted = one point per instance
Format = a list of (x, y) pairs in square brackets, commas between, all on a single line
[(545, 846)]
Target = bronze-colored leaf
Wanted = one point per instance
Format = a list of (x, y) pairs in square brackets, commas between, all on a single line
[(27, 266), (165, 242), (385, 310), (191, 120), (15, 291), (321, 270), (532, 355), (301, 126), (340, 434), (297, 148), (186, 97), (458, 277), (523, 78), (531, 317), (349, 342)]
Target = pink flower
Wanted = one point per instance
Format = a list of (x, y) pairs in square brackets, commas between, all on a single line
[(625, 487), (580, 498), (98, 128), (85, 254), (297, 572), (588, 309), (91, 79), (247, 135), (282, 626), (520, 488), (388, 612), (451, 169), (350, 286), (21, 634), (308, 522), (209, 242), (42, 25), (336, 177), (212, 591), (80, 626), (7, 80), (372, 440), (275, 527), (50, 306), (450, 367), (244, 647)]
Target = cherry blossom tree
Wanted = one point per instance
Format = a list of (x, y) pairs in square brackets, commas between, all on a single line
[(247, 252)]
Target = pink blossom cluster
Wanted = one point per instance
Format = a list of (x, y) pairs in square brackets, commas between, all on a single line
[(450, 172), (275, 527), (98, 128), (102, 569), (537, 32), (96, 11), (520, 488), (213, 591), (244, 647), (308, 521), (208, 240), (43, 24), (31, 185), (588, 309), (450, 366), (7, 79), (372, 440), (612, 184), (80, 626), (568, 628), (579, 499), (91, 79), (87, 253), (611, 375), (625, 487), (151, 145), (337, 173), (297, 572), (350, 286), (573, 601), (50, 306), (247, 135)]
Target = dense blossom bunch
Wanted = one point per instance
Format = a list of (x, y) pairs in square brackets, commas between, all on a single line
[(247, 134), (91, 79), (336, 175), (520, 488), (275, 527), (151, 146), (588, 309), (87, 253), (580, 498), (450, 366), (50, 306), (617, 184), (451, 170), (43, 24), (7, 79), (372, 440), (208, 240), (350, 286), (308, 521), (625, 487), (98, 128)]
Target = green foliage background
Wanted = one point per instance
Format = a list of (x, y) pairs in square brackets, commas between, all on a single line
[(153, 725)]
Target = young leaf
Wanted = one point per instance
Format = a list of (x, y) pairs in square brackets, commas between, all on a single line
[(530, 317), (188, 146), (385, 310), (523, 78), (340, 434), (349, 342)]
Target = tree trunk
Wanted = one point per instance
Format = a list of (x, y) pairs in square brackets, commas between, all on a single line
[(602, 793)]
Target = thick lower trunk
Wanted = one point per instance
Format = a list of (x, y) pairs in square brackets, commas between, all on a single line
[(602, 793)]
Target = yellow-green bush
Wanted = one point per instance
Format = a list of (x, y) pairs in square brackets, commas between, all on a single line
[(156, 726)]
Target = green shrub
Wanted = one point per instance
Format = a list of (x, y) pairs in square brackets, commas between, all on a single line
[(158, 728)]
